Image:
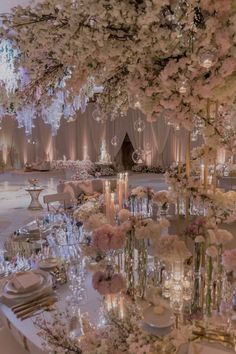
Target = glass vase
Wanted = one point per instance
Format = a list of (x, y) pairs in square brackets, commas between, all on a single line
[(157, 271), (219, 278), (129, 263), (198, 283), (142, 268), (208, 286), (176, 294)]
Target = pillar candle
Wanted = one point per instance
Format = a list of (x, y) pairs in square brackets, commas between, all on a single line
[(202, 173), (120, 190), (107, 199), (112, 208), (206, 172), (126, 185)]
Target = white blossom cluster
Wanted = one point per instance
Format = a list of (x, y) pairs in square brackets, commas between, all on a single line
[(165, 57)]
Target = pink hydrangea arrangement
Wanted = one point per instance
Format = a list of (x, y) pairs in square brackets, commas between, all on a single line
[(229, 260), (108, 237), (162, 197), (106, 284)]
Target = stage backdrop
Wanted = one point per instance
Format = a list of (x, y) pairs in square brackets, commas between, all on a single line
[(83, 137)]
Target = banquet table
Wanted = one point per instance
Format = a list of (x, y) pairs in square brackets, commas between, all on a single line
[(25, 332)]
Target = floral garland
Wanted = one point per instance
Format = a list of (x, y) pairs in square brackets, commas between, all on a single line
[(163, 57)]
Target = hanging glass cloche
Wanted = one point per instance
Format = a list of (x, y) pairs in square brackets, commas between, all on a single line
[(207, 58), (139, 125), (97, 116), (183, 86), (138, 156), (114, 140)]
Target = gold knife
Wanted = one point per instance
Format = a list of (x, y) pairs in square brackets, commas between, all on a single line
[(38, 297), (37, 307), (32, 304)]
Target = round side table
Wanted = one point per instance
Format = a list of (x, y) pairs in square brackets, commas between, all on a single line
[(34, 194)]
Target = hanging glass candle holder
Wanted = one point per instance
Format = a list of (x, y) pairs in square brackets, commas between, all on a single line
[(139, 125), (114, 140), (194, 136), (183, 86), (207, 58), (97, 116), (148, 149), (138, 156)]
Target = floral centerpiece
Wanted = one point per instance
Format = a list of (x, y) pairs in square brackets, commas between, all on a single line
[(108, 283), (33, 182), (108, 237), (83, 213)]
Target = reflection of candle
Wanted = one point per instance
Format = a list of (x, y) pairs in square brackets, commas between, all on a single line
[(179, 167), (107, 199), (205, 174), (120, 190), (122, 307), (202, 173), (112, 207), (126, 185), (210, 179)]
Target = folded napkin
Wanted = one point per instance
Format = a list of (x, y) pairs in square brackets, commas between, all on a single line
[(202, 348), (25, 281)]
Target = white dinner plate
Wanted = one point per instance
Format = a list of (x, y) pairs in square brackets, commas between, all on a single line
[(166, 319), (10, 288), (48, 263), (12, 299)]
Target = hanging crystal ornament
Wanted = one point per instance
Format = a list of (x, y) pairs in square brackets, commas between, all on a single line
[(148, 149), (183, 86), (177, 127), (139, 125), (207, 58), (138, 156), (194, 136), (97, 115), (169, 116), (8, 76), (114, 140), (25, 117), (52, 114)]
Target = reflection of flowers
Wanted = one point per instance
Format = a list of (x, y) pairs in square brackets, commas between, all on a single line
[(229, 260), (108, 284), (108, 237)]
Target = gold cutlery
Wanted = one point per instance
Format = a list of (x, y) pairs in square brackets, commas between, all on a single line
[(223, 338), (32, 310), (32, 304), (36, 298)]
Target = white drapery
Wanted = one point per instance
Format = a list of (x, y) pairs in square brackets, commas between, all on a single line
[(83, 137)]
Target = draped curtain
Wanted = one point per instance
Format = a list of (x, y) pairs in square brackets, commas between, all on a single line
[(83, 137)]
